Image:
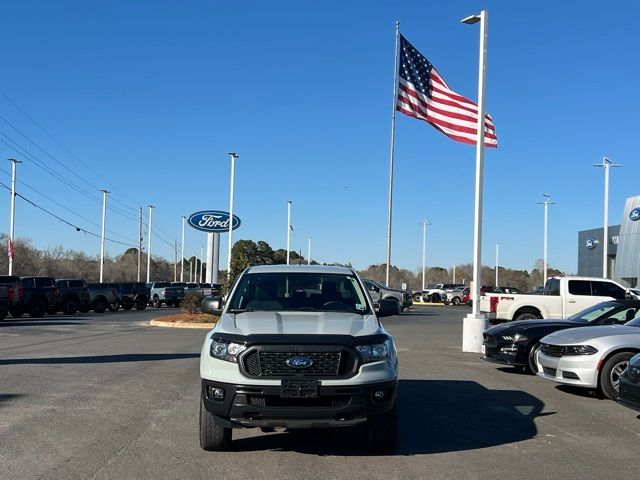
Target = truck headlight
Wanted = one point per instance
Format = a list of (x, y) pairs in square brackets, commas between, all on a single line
[(375, 352), (226, 351), (580, 350)]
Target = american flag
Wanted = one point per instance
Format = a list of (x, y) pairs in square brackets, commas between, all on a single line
[(423, 94)]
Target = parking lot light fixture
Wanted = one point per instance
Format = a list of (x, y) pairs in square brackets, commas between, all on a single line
[(606, 164), (475, 323), (233, 157), (546, 203), (151, 207)]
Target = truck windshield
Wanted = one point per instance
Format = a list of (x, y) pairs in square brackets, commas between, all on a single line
[(298, 292)]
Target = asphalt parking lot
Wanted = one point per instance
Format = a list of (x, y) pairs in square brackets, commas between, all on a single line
[(108, 397)]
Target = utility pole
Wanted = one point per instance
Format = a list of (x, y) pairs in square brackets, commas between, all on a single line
[(139, 241), (606, 164), (104, 221), (546, 203), (497, 253), (11, 246), (289, 228), (175, 260), (309, 252), (233, 156), (182, 251), (151, 207)]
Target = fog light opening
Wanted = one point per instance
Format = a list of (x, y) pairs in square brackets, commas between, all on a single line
[(216, 393)]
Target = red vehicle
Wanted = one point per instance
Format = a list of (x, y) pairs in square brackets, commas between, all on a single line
[(466, 297)]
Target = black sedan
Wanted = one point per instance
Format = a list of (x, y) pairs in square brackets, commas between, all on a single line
[(516, 343), (629, 390)]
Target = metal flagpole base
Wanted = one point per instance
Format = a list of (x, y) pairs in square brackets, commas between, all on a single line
[(472, 328)]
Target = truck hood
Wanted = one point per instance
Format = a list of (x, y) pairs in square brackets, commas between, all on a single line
[(301, 323), (573, 336)]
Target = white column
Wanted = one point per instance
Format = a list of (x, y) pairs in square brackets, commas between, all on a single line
[(182, 251), (11, 247), (201, 264), (139, 241), (233, 156), (475, 323), (209, 274), (151, 207), (288, 228), (309, 252), (424, 251), (215, 265), (606, 164), (544, 258), (104, 221)]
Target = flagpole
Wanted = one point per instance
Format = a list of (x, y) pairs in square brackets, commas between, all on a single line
[(392, 152), (475, 323), (11, 245)]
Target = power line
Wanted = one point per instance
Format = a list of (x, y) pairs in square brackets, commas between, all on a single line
[(77, 228)]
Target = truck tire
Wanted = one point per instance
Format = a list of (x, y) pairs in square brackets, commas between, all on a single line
[(382, 431), (528, 315), (69, 306), (156, 302), (435, 298), (417, 297), (99, 305), (212, 437), (37, 308), (456, 301), (141, 303), (612, 369)]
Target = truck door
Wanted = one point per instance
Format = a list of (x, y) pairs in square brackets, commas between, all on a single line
[(582, 294), (374, 292)]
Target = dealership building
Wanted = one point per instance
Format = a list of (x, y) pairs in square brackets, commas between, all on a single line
[(623, 252)]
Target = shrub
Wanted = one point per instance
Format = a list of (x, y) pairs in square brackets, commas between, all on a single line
[(191, 302)]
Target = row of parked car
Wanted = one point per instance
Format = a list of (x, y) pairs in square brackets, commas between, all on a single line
[(454, 293), (37, 296), (598, 348)]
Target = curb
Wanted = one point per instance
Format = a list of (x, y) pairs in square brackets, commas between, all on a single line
[(431, 304), (162, 323)]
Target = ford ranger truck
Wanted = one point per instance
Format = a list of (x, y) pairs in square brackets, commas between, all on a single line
[(299, 347)]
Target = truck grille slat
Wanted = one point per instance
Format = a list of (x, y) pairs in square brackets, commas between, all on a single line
[(265, 363)]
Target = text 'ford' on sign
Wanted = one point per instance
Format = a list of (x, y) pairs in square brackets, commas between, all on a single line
[(213, 221)]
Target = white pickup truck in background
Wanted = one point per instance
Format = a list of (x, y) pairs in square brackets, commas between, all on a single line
[(563, 297)]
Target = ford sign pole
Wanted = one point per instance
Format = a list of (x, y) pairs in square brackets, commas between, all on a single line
[(104, 220), (149, 246), (233, 156), (11, 249), (606, 164), (475, 323)]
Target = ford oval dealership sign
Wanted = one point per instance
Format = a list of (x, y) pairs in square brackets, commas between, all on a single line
[(213, 221)]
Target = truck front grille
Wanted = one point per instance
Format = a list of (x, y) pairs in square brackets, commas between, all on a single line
[(264, 363)]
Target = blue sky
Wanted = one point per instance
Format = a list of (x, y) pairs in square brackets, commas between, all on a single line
[(152, 95)]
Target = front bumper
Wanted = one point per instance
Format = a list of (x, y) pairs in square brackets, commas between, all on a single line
[(263, 405), (577, 370), (507, 353), (629, 393)]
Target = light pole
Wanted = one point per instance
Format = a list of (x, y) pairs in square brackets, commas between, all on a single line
[(139, 240), (606, 164), (233, 156), (182, 251), (151, 207), (497, 263), (11, 246), (424, 250), (309, 252), (289, 228), (201, 264), (546, 203), (475, 323), (104, 224)]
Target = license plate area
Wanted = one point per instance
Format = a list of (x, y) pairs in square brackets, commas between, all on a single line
[(303, 388)]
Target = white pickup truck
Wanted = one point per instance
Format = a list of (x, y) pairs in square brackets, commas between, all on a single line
[(563, 297)]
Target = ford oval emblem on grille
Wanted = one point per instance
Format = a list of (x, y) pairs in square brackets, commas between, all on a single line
[(299, 362)]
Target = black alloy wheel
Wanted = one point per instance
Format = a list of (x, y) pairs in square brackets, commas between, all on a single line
[(69, 306), (37, 308), (99, 305), (141, 303)]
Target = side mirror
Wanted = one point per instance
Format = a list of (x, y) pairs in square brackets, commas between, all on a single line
[(388, 307), (212, 305)]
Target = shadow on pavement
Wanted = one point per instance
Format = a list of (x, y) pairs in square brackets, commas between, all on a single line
[(580, 392), (118, 358), (435, 416), (5, 397), (33, 323)]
